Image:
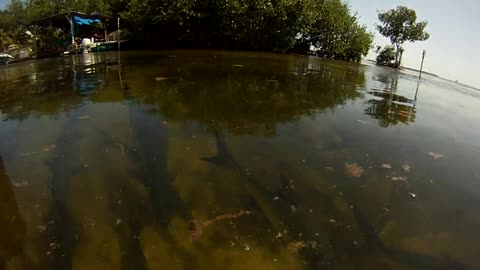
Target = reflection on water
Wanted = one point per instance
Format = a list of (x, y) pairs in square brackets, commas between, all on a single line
[(388, 107), (110, 163)]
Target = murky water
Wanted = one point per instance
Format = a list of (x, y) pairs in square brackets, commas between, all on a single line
[(215, 160)]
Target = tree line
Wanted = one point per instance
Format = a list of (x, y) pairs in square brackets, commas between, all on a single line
[(326, 28)]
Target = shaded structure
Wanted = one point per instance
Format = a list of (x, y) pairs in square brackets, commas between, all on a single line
[(63, 33)]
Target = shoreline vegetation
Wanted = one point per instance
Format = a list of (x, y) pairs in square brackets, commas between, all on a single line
[(325, 28)]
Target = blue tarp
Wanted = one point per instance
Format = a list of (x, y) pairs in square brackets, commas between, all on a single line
[(81, 21)]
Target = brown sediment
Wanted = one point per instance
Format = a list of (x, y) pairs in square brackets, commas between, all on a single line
[(197, 227), (296, 246), (353, 170)]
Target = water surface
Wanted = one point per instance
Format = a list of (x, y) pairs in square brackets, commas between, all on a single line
[(299, 163)]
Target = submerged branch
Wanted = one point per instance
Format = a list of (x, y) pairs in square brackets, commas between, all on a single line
[(197, 227)]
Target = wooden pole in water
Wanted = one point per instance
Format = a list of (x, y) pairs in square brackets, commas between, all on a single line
[(421, 66), (72, 29), (105, 32), (35, 40), (118, 33)]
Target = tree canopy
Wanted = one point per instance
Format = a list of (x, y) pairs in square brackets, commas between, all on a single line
[(296, 26), (400, 25)]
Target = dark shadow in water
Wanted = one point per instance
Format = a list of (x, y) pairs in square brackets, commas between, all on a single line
[(12, 227), (64, 166), (131, 217), (388, 107), (151, 138)]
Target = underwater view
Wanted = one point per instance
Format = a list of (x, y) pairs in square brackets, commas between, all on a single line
[(235, 160)]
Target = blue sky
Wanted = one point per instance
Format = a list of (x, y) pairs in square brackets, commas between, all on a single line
[(453, 47)]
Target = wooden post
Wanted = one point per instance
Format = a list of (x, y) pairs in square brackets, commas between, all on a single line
[(105, 39), (421, 66), (118, 33), (416, 94), (35, 40), (72, 31)]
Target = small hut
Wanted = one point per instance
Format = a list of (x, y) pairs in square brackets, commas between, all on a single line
[(69, 33)]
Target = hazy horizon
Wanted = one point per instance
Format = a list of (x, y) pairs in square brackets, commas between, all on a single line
[(452, 43)]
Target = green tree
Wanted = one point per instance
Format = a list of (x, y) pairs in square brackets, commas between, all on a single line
[(334, 31), (385, 56), (400, 25), (261, 25)]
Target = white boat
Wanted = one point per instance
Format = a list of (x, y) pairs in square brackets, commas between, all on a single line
[(5, 58)]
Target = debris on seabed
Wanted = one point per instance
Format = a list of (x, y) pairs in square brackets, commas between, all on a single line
[(197, 227), (41, 228), (329, 169), (406, 168), (296, 246), (310, 211), (118, 221), (436, 155), (273, 81), (232, 244), (354, 170), (293, 208), (164, 122), (275, 198), (20, 184), (84, 117), (237, 65), (332, 220), (44, 149), (413, 195), (48, 148), (279, 235), (399, 178), (247, 247), (158, 79), (386, 166)]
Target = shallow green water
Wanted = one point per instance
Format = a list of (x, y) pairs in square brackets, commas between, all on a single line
[(298, 163)]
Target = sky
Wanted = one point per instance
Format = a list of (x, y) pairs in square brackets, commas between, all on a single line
[(454, 27)]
